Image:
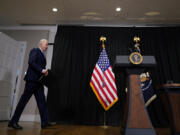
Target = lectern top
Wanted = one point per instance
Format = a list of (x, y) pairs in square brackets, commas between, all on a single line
[(123, 61)]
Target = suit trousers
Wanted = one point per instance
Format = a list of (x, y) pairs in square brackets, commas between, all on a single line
[(38, 90)]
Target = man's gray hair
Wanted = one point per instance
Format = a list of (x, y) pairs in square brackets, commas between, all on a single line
[(42, 41)]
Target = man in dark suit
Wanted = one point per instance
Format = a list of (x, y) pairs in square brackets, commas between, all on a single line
[(36, 68)]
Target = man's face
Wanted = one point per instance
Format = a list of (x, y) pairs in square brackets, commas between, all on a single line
[(44, 46)]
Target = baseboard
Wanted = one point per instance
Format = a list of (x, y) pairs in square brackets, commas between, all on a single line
[(4, 115), (27, 117)]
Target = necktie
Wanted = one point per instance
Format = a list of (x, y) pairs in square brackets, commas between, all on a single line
[(44, 55)]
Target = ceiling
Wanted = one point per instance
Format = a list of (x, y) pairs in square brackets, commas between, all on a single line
[(90, 12)]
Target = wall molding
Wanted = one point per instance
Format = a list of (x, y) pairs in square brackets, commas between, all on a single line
[(29, 117), (51, 28)]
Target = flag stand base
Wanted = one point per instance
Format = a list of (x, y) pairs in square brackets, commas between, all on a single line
[(105, 127)]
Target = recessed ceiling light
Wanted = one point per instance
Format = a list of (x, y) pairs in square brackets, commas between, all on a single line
[(54, 9), (152, 13), (118, 9), (92, 13)]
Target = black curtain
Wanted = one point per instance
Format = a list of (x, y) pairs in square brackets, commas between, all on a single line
[(76, 51)]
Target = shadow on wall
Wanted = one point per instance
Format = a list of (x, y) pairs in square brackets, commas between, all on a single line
[(5, 84), (5, 95)]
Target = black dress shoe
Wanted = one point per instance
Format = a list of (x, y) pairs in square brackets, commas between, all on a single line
[(14, 125), (44, 126), (49, 124)]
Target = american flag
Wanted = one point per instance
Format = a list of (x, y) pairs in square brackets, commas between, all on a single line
[(147, 88), (103, 82)]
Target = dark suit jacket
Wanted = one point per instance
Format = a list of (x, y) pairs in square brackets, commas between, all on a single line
[(37, 62)]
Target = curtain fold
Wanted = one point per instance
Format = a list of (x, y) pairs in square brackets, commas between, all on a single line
[(76, 51)]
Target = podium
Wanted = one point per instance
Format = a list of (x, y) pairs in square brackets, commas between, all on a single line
[(170, 96), (136, 119)]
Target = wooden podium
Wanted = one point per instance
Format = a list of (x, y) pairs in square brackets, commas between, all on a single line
[(170, 96), (136, 119)]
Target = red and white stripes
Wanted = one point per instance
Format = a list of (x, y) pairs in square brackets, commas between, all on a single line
[(103, 85)]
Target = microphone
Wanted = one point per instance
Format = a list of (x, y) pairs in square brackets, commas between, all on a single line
[(130, 49)]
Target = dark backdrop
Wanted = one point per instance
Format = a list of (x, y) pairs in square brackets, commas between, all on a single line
[(76, 51)]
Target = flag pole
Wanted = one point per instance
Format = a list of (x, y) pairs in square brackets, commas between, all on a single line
[(103, 39), (104, 126)]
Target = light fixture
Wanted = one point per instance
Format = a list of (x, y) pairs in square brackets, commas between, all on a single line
[(118, 9), (152, 13), (54, 9)]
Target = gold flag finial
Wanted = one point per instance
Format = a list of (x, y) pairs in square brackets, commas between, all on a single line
[(136, 39), (136, 46), (102, 38)]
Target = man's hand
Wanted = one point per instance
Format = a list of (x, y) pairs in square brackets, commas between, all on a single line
[(45, 72)]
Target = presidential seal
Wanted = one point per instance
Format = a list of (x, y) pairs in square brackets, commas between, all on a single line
[(136, 58)]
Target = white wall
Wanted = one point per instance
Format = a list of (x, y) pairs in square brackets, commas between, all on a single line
[(11, 57)]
